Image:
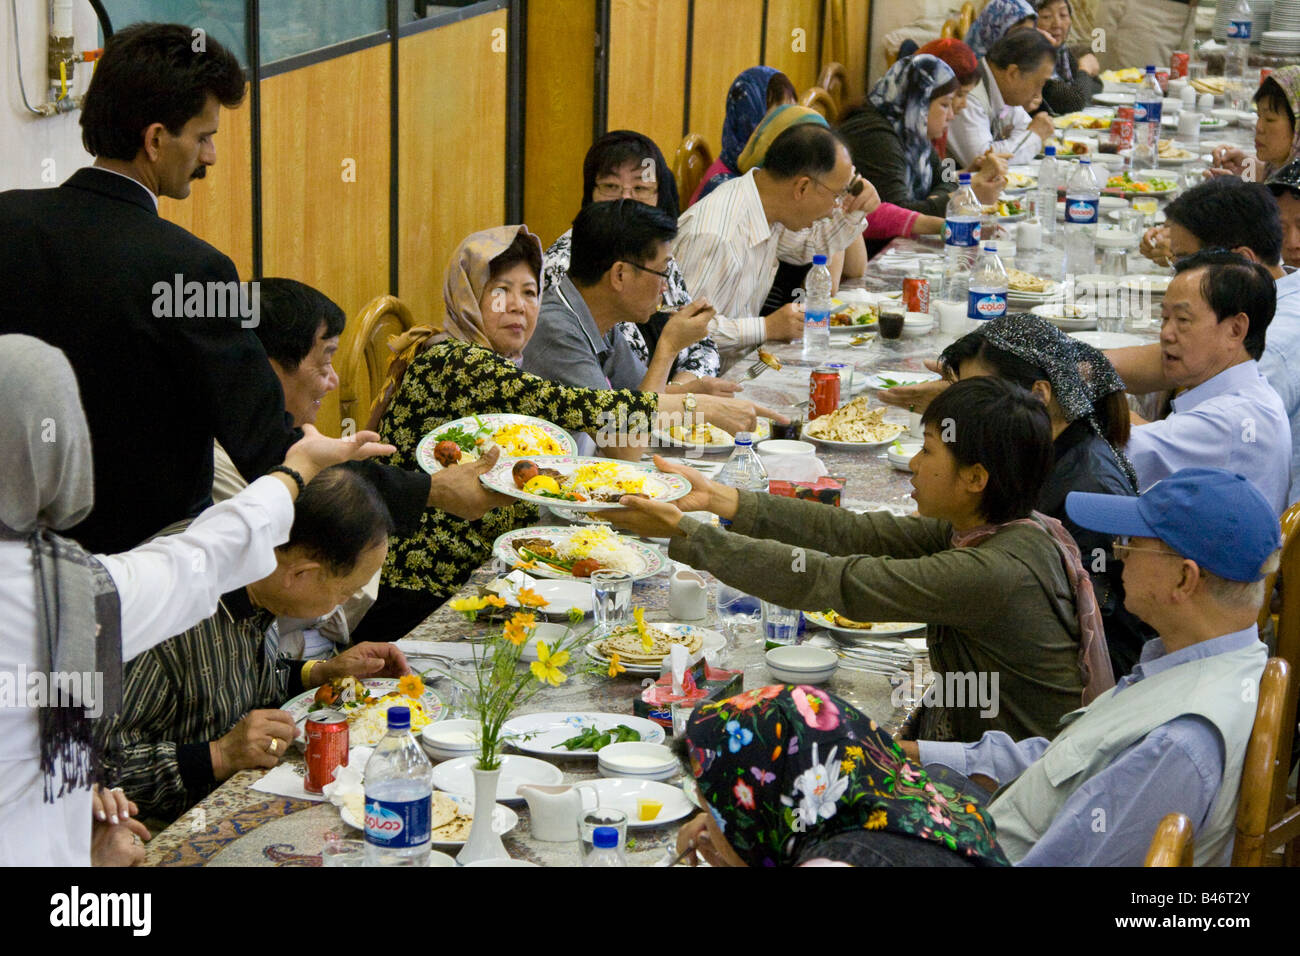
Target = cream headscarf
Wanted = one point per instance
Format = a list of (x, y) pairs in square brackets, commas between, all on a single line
[(468, 274)]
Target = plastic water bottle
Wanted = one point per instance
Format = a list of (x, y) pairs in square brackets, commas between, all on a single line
[(1082, 201), (1045, 197), (961, 236), (1147, 109), (987, 298), (605, 851), (399, 797), (1241, 31), (817, 309), (743, 470)]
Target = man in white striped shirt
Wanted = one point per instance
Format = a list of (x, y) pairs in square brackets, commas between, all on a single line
[(797, 204)]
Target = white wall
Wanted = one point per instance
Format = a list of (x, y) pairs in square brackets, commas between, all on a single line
[(28, 141), (888, 15)]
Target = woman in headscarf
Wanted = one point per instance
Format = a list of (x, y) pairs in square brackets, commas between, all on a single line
[(793, 775), (492, 300), (627, 165), (961, 59), (70, 619), (978, 556), (753, 94), (996, 20), (891, 134), (1075, 82), (1277, 131)]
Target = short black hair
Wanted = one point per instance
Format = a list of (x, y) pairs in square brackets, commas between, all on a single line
[(1232, 283), (805, 149), (615, 150), (943, 89), (780, 89), (1271, 94), (620, 231), (1228, 213), (337, 518), (525, 248), (151, 73), (290, 317), (1005, 428), (1027, 49)]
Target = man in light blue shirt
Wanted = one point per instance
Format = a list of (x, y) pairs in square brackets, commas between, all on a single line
[(1171, 735), (1214, 319), (1281, 361)]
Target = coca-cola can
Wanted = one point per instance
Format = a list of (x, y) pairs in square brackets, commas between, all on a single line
[(1162, 77), (1178, 63), (823, 391), (1121, 128), (327, 748), (916, 295)]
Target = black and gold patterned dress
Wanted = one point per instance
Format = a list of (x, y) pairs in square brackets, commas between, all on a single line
[(452, 380)]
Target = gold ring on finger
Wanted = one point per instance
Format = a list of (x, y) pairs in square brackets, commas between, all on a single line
[(275, 745)]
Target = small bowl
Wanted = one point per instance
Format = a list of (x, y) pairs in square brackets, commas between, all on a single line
[(900, 459), (802, 663), (785, 446), (448, 739), (638, 760), (1227, 115), (439, 859)]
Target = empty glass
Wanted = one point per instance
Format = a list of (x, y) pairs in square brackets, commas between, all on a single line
[(1114, 261), (342, 852), (612, 598), (738, 616), (464, 689), (1131, 220)]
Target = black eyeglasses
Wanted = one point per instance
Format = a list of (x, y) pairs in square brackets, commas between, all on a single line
[(656, 272)]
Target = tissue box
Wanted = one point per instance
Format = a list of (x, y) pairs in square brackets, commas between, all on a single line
[(827, 490), (711, 683)]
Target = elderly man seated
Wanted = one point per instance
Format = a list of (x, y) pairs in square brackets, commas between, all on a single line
[(1171, 736), (205, 704)]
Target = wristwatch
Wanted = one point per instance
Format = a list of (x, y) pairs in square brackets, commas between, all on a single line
[(690, 402)]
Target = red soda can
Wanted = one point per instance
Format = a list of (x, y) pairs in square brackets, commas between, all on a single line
[(1178, 63), (916, 295), (1162, 77), (823, 392), (1121, 128), (327, 748)]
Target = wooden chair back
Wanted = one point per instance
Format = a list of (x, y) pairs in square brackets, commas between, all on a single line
[(363, 355), (966, 18), (1173, 842), (835, 46), (692, 159), (1266, 818), (951, 30), (818, 99), (834, 80), (1290, 559)]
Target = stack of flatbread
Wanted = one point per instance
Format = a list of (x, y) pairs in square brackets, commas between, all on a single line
[(446, 820), (626, 643), (1019, 281)]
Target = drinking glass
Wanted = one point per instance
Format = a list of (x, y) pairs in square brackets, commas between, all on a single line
[(681, 712), (780, 624), (601, 817), (1131, 220), (343, 852), (464, 688), (611, 598), (890, 323), (1114, 261), (738, 616), (1148, 206)]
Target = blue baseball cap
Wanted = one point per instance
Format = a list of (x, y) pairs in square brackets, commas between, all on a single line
[(1213, 517)]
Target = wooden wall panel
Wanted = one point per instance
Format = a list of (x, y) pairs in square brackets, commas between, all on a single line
[(647, 69), (321, 225), (560, 84), (219, 209), (858, 16), (793, 54), (451, 150), (727, 41)]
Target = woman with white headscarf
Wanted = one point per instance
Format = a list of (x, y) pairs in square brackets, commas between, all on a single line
[(69, 619)]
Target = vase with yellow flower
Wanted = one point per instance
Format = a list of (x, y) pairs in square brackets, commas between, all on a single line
[(498, 685)]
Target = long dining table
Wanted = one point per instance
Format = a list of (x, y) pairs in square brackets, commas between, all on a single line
[(239, 826)]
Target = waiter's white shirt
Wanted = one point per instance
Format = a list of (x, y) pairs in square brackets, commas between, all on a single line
[(165, 586)]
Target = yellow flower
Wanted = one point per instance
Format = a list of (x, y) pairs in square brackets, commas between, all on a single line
[(518, 627), (411, 685), (639, 616), (876, 821), (547, 666), (846, 765), (615, 668), (495, 600), (854, 751), (469, 604), (530, 598)]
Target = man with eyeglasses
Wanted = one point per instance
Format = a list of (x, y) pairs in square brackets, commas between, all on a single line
[(618, 272), (805, 199), (1171, 735)]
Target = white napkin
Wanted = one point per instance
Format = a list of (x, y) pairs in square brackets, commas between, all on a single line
[(285, 781), (794, 467), (349, 779), (680, 661)]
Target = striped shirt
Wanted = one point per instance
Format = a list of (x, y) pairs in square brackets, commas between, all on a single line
[(728, 252)]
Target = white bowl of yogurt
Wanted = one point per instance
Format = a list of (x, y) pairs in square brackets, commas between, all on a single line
[(640, 761)]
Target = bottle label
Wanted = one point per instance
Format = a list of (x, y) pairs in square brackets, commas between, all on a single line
[(816, 320), (398, 824), (961, 233), (986, 305), (1148, 112), (1239, 29), (1082, 211)]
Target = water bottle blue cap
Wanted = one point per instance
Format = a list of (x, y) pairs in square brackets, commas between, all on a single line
[(819, 260), (1151, 68), (744, 438), (604, 838), (963, 179), (990, 247), (1049, 150), (1085, 161), (399, 718)]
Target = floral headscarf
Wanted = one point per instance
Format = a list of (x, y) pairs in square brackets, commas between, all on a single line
[(780, 119), (782, 766), (1288, 79), (902, 96), (994, 21)]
